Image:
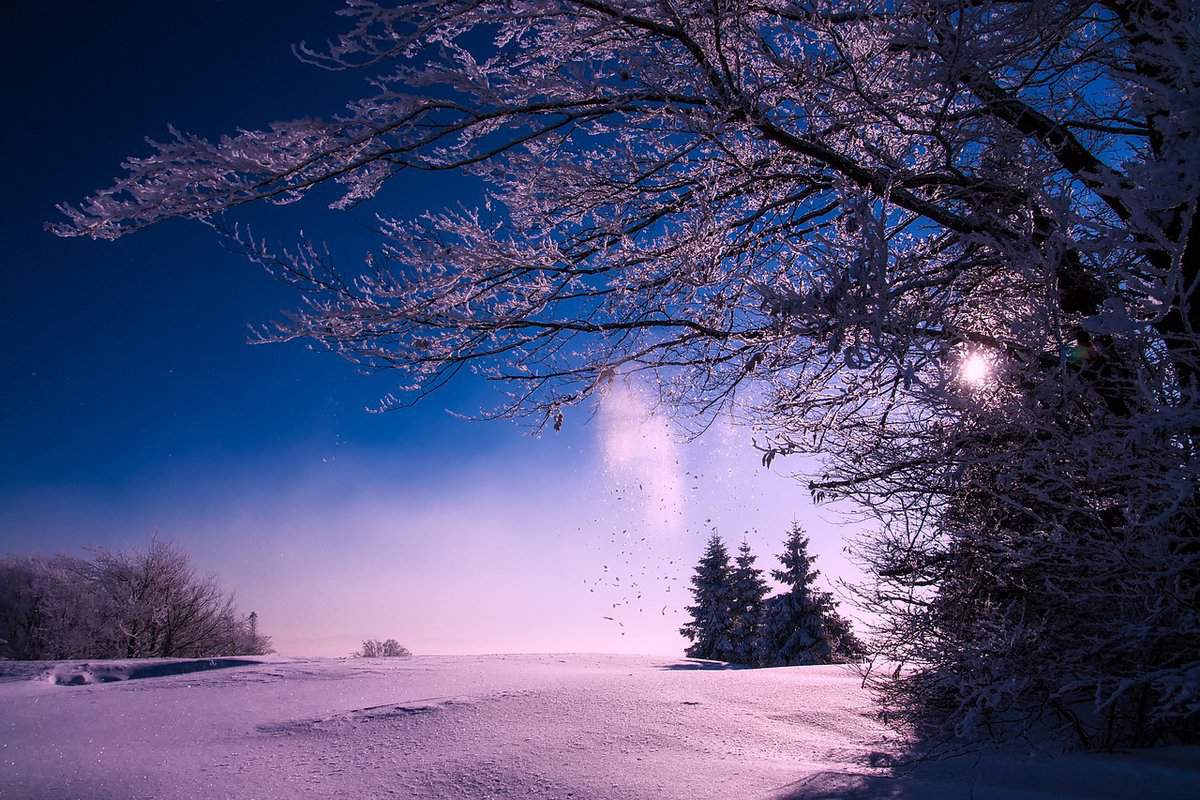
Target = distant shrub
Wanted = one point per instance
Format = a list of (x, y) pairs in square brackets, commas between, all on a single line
[(389, 648)]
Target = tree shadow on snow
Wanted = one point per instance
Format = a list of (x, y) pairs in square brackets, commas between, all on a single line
[(1008, 775), (846, 786), (184, 667), (82, 674), (694, 664)]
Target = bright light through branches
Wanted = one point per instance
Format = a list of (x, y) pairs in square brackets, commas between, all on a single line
[(975, 369)]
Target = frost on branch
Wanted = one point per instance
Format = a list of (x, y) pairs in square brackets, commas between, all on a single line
[(811, 213)]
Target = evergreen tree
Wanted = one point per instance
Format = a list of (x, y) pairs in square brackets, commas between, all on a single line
[(711, 626), (801, 625), (749, 591)]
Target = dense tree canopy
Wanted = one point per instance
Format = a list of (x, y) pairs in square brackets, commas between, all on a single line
[(950, 245)]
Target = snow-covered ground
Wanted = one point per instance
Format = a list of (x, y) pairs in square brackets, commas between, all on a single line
[(551, 726)]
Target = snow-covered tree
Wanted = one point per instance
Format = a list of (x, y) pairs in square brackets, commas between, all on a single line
[(950, 245), (748, 591), (710, 629), (161, 607), (794, 623), (386, 648), (48, 610), (250, 641), (120, 605)]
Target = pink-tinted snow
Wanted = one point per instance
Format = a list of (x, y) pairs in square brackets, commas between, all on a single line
[(502, 726)]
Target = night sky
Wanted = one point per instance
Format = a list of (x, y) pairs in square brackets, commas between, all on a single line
[(131, 404)]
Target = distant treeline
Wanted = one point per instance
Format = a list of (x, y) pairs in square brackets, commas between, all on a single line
[(119, 605)]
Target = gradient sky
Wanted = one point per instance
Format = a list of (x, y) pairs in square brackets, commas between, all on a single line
[(130, 403)]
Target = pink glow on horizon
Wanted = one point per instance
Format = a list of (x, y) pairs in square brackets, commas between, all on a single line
[(529, 547)]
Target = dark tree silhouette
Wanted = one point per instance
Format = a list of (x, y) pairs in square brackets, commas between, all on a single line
[(711, 627), (748, 592)]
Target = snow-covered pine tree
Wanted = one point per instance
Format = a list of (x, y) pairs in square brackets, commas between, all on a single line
[(710, 627), (801, 625), (749, 590)]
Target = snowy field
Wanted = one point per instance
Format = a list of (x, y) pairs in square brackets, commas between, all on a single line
[(569, 726)]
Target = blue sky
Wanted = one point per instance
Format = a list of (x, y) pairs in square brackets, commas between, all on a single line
[(131, 404)]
